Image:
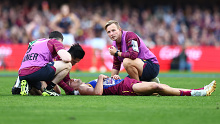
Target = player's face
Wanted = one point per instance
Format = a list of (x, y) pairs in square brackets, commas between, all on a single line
[(114, 32), (76, 83)]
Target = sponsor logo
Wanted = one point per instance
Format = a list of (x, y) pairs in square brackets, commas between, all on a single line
[(168, 53), (5, 51)]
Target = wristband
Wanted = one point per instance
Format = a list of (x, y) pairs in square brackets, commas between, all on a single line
[(116, 54)]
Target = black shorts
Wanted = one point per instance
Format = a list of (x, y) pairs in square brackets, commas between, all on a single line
[(150, 71), (46, 73)]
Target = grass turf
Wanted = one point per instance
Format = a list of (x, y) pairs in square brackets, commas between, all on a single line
[(17, 109)]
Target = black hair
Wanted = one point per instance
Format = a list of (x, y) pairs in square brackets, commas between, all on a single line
[(76, 51), (55, 35)]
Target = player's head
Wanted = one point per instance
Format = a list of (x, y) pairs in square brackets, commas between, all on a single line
[(76, 52), (113, 30), (75, 83), (56, 35)]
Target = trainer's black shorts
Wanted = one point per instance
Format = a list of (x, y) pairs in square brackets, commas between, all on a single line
[(46, 73), (150, 71)]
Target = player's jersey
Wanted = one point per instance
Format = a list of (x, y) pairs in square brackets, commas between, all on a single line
[(108, 82), (116, 87)]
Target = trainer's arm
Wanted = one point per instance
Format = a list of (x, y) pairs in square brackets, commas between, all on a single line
[(133, 44), (116, 66), (64, 55), (114, 72)]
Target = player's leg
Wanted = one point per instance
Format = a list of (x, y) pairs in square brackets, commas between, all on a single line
[(145, 88), (210, 88), (134, 68), (148, 88)]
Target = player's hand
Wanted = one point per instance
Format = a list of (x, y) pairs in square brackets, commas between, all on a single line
[(112, 50), (103, 76), (116, 77)]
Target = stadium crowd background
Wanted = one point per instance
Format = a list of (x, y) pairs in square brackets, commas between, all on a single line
[(158, 23)]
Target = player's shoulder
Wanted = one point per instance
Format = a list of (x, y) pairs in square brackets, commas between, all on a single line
[(54, 41), (130, 36), (128, 33)]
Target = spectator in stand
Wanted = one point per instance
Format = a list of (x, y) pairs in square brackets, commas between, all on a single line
[(182, 23), (37, 28), (67, 23)]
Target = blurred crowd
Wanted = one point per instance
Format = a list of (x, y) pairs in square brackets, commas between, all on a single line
[(25, 21)]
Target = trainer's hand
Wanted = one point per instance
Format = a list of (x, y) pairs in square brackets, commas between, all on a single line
[(116, 77), (112, 50)]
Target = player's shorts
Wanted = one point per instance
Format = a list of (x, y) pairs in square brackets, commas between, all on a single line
[(150, 71), (126, 87), (46, 73)]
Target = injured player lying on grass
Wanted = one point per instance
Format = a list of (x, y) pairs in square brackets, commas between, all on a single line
[(130, 87), (116, 86)]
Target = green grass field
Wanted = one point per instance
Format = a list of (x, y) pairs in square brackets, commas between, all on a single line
[(17, 109)]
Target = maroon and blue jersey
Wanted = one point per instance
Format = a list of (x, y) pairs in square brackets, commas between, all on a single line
[(116, 87), (108, 82)]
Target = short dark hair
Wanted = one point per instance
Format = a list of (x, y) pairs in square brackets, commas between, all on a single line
[(55, 35), (76, 51)]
